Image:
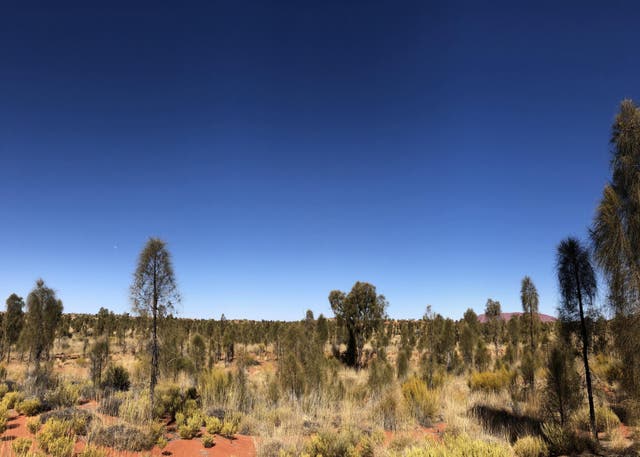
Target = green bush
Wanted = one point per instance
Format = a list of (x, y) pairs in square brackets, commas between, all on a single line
[(124, 438), (33, 425), (422, 403), (190, 429), (563, 441), (491, 381), (11, 399), (21, 446), (53, 435), (64, 395), (4, 416), (4, 388), (78, 419), (29, 407), (62, 447), (92, 451), (459, 446), (213, 425), (116, 378), (229, 428), (208, 441), (333, 444), (531, 446), (606, 419)]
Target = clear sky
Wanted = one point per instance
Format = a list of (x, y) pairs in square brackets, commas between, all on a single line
[(284, 149)]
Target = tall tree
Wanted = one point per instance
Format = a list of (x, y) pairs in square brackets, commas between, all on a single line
[(13, 320), (529, 300), (493, 313), (577, 282), (616, 238), (44, 312), (153, 294), (361, 312)]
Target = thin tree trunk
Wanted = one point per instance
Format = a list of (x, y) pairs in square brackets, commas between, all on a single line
[(585, 359)]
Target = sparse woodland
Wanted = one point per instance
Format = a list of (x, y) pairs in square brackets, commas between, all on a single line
[(357, 383)]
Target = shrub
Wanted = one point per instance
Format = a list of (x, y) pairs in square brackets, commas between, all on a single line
[(116, 378), (4, 416), (606, 419), (162, 442), (491, 381), (4, 388), (29, 407), (62, 447), (110, 405), (459, 446), (78, 419), (421, 402), (53, 434), (332, 444), (124, 438), (563, 441), (230, 428), (33, 425), (190, 429), (388, 409), (208, 441), (92, 451), (530, 446), (11, 399), (64, 395), (213, 425), (21, 446), (135, 408)]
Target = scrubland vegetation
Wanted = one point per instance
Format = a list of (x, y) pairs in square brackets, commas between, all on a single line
[(358, 383)]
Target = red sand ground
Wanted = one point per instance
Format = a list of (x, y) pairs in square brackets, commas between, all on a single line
[(241, 446)]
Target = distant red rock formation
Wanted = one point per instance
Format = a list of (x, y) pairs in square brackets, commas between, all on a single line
[(506, 316)]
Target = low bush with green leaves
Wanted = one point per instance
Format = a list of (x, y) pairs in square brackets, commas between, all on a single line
[(491, 381), (92, 451), (64, 395), (191, 428), (29, 407), (606, 419), (116, 378), (422, 403), (56, 438), (21, 446), (458, 446), (530, 446), (123, 437), (563, 440), (33, 425), (213, 425), (208, 441), (229, 428), (11, 399)]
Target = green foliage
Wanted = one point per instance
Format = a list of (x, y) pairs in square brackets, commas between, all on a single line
[(190, 428), (56, 438), (530, 446), (361, 313), (208, 441), (78, 420), (229, 428), (11, 399), (125, 438), (29, 407), (92, 451), (562, 440), (116, 378), (21, 446), (64, 395), (33, 425), (44, 312), (422, 403), (459, 446), (491, 381), (213, 425), (562, 397), (606, 419), (334, 444)]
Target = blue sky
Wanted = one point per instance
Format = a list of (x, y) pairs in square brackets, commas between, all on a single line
[(285, 149)]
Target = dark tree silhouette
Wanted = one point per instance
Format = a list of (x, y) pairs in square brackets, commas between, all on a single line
[(577, 282), (13, 321)]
